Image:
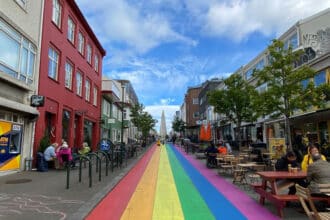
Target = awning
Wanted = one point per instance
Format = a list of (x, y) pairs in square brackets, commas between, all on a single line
[(33, 112)]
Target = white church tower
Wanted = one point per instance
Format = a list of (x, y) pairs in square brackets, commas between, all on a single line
[(162, 131)]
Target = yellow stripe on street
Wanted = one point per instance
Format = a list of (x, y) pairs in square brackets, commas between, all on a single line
[(141, 203), (167, 203)]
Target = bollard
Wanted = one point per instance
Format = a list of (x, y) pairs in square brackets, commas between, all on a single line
[(28, 163)]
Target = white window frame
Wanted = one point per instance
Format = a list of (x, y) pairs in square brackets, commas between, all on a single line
[(81, 43), (22, 3), (68, 74), (89, 54), (88, 90), (106, 110), (95, 91), (96, 63), (79, 83), (21, 62), (57, 12), (71, 30), (195, 101), (53, 63)]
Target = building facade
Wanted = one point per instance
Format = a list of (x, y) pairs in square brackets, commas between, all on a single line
[(118, 96), (192, 113), (20, 37), (313, 36), (70, 77)]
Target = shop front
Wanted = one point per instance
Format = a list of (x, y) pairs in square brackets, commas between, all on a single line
[(10, 145)]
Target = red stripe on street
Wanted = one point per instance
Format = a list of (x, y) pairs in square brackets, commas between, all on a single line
[(114, 203)]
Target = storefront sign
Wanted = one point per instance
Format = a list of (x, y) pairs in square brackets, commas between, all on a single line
[(37, 101)]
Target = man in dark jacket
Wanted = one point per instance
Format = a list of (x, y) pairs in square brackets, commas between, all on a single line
[(288, 159), (211, 156), (283, 163)]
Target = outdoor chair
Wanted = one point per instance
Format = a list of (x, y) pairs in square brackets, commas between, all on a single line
[(308, 204), (253, 177)]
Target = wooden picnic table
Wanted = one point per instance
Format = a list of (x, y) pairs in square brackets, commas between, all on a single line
[(269, 188)]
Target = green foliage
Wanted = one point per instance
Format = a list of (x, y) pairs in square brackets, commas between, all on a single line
[(285, 93), (178, 124), (44, 143), (234, 102), (142, 120)]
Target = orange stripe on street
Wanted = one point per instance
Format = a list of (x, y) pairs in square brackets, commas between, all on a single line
[(141, 203)]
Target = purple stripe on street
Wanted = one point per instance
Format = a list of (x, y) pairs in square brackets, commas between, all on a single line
[(245, 204)]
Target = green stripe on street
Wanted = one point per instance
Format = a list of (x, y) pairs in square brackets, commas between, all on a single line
[(193, 205)]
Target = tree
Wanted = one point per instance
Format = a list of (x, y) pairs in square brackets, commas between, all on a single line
[(142, 120), (178, 124), (234, 102), (285, 92)]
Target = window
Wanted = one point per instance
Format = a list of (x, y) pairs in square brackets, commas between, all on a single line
[(248, 74), (320, 78), (292, 41), (87, 90), (66, 124), (260, 65), (79, 83), (56, 13), (106, 108), (71, 30), (196, 115), (96, 63), (53, 63), (114, 111), (81, 43), (89, 54), (95, 92), (17, 54), (195, 101), (68, 75), (22, 3)]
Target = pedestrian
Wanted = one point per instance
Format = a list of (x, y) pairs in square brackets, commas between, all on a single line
[(50, 155)]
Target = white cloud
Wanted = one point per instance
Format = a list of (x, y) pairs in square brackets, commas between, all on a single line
[(239, 18), (130, 26), (156, 112)]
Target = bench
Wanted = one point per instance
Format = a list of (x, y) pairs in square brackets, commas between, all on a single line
[(306, 198), (280, 200)]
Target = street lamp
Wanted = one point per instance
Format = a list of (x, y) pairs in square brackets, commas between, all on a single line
[(122, 113)]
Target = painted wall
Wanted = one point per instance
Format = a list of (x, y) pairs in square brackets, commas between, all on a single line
[(58, 97)]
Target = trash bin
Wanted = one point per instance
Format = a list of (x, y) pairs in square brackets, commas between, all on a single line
[(42, 165), (28, 163)]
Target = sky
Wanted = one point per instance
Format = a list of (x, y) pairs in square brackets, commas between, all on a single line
[(165, 46)]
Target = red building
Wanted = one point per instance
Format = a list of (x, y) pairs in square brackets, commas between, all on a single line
[(70, 77)]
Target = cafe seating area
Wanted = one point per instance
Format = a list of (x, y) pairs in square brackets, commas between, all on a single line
[(260, 179)]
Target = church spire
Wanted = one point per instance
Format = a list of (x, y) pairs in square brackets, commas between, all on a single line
[(162, 131)]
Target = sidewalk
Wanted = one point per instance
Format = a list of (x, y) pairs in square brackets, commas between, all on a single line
[(33, 195)]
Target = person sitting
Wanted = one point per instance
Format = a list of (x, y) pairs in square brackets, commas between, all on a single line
[(64, 155), (307, 160), (85, 149), (211, 156), (282, 164), (50, 155), (222, 149), (317, 173)]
